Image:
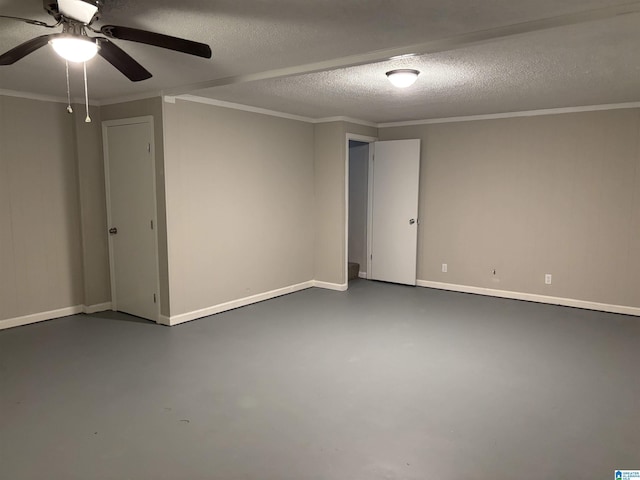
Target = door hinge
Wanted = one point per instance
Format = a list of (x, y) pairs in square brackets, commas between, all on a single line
[(149, 147), (154, 298), (151, 224)]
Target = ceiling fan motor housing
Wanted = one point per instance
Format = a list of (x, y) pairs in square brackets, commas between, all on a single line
[(74, 10)]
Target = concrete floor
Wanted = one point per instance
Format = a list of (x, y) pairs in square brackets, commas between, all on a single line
[(381, 382)]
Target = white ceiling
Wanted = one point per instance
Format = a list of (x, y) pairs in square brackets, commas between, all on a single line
[(326, 58)]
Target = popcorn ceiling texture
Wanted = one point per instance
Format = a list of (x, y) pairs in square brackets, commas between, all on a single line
[(590, 64), (585, 64)]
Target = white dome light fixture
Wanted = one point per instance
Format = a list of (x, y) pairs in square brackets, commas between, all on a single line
[(403, 78), (75, 49)]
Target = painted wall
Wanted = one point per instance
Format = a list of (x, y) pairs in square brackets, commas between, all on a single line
[(256, 203), (358, 198), (329, 184), (556, 194), (93, 208), (239, 189), (140, 108), (40, 234)]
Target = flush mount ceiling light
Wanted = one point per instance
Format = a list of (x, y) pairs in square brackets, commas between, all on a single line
[(75, 49), (403, 78)]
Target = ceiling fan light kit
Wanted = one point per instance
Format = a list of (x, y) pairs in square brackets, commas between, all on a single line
[(74, 49), (403, 77)]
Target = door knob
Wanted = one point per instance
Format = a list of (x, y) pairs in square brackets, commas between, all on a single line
[(412, 221), (113, 230)]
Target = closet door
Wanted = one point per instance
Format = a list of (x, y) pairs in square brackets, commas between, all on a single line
[(394, 218)]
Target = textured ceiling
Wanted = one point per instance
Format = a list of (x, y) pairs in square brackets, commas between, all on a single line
[(588, 64), (585, 63)]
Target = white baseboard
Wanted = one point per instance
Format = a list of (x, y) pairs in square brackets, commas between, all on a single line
[(241, 302), (98, 307), (39, 317), (362, 274), (175, 319), (51, 314), (340, 287), (531, 297)]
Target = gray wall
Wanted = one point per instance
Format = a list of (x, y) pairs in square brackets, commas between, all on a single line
[(93, 213), (40, 235), (358, 198), (239, 202), (555, 194), (53, 242), (256, 203)]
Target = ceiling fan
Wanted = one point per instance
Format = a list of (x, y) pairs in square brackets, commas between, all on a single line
[(76, 18)]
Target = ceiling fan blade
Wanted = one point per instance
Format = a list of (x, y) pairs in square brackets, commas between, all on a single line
[(122, 61), (158, 40), (25, 49), (29, 21)]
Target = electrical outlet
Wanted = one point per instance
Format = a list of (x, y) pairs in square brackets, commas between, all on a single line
[(444, 268), (547, 278)]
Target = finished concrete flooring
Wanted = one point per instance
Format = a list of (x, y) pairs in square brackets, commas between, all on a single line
[(380, 382)]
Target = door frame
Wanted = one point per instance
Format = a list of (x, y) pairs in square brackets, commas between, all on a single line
[(148, 119), (369, 140)]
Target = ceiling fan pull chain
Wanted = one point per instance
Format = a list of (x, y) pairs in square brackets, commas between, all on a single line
[(86, 93), (69, 108)]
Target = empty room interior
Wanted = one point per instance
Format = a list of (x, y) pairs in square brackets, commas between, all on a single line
[(234, 245)]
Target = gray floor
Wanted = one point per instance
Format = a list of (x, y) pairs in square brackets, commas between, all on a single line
[(381, 382)]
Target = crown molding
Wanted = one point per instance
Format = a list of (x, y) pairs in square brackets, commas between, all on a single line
[(130, 98), (528, 113), (45, 98), (429, 121), (346, 119), (264, 111), (300, 118), (237, 106)]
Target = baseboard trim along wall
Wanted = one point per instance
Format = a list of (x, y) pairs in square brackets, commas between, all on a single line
[(243, 302), (530, 297), (340, 287), (99, 307), (240, 302), (51, 314), (362, 275)]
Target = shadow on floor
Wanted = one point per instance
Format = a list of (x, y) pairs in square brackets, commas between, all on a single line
[(121, 317)]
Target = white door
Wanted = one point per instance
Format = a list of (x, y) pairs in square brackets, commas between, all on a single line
[(394, 211), (131, 208)]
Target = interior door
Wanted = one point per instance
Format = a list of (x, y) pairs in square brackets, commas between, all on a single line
[(130, 182), (394, 211)]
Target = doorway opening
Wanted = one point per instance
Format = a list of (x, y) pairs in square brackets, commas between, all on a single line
[(357, 208), (381, 209)]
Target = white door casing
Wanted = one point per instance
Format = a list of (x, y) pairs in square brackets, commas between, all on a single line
[(370, 141), (394, 211), (131, 209)]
